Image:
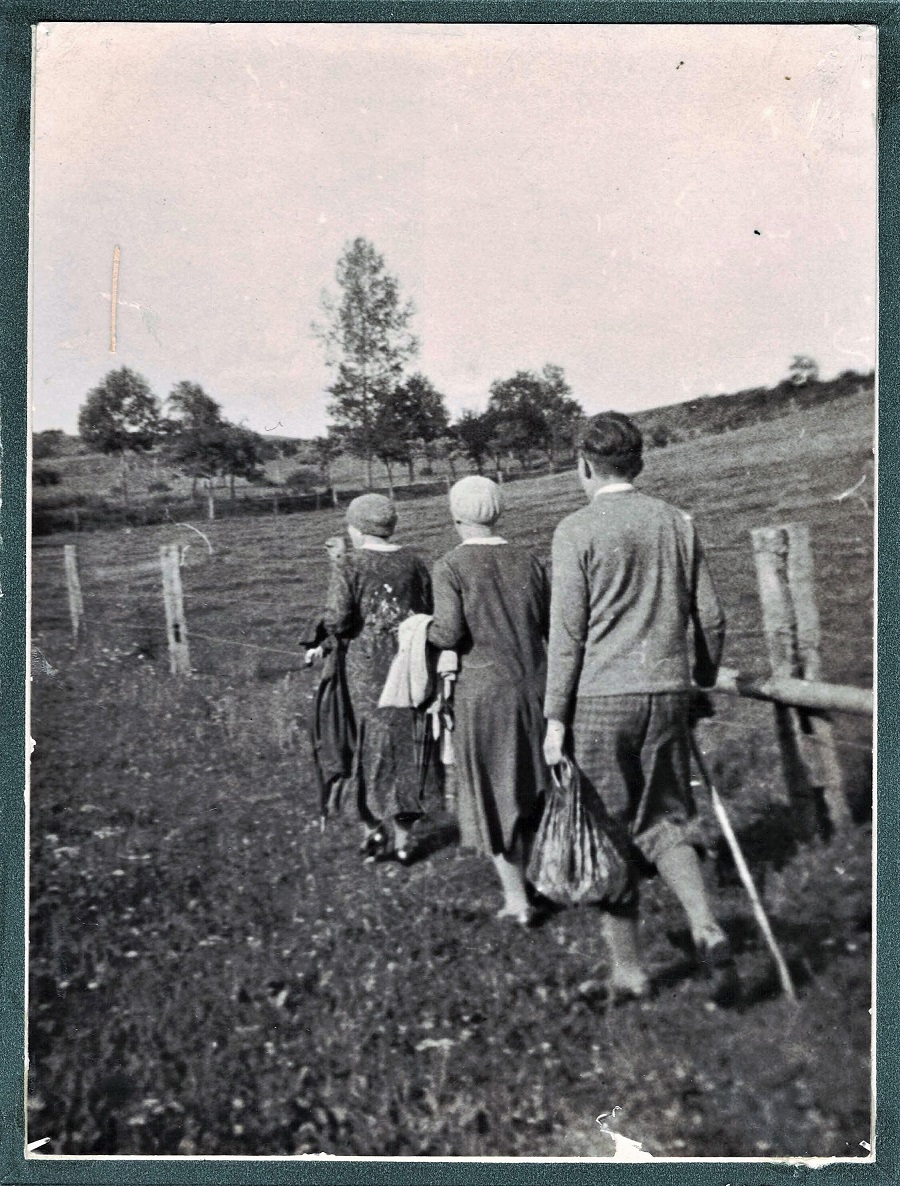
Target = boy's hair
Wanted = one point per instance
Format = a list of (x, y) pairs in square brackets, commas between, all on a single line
[(613, 443)]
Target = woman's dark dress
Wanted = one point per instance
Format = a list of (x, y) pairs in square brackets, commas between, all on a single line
[(369, 595), (491, 604)]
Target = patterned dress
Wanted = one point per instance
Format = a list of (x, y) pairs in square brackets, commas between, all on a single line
[(370, 593)]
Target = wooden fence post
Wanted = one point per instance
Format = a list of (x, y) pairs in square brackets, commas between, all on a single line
[(73, 585), (783, 560), (819, 731), (176, 627)]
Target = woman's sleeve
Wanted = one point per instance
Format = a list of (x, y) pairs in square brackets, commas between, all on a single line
[(544, 588), (341, 603), (448, 626), (426, 588)]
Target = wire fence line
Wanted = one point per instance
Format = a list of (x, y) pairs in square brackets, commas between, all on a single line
[(235, 642)]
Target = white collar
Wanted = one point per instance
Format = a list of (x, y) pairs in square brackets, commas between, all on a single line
[(380, 546), (613, 488), (485, 539)]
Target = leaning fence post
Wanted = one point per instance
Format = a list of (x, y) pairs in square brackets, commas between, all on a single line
[(176, 627), (783, 561), (73, 585), (819, 729)]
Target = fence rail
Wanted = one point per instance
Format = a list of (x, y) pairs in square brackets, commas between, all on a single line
[(816, 695)]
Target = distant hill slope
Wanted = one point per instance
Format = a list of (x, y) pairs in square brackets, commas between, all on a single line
[(712, 414)]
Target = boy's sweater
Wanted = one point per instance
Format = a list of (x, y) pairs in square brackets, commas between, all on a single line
[(629, 580)]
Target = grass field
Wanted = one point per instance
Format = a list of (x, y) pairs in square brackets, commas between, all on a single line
[(211, 974)]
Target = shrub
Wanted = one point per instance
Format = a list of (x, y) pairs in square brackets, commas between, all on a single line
[(302, 479), (50, 443), (44, 475)]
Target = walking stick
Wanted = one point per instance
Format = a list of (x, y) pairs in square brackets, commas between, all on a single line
[(744, 873)]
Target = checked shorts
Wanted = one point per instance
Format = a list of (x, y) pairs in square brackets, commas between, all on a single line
[(634, 750)]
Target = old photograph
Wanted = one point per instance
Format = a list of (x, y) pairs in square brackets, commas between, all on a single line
[(453, 483)]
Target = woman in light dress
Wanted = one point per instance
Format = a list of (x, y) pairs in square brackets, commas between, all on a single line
[(491, 605)]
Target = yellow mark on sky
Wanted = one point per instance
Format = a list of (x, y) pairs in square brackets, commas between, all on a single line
[(114, 302)]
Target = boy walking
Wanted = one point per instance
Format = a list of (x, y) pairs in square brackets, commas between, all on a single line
[(634, 624)]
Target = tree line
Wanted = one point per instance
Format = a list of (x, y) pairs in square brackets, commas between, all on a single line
[(379, 408)]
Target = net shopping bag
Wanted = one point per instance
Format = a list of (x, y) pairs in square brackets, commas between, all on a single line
[(579, 855)]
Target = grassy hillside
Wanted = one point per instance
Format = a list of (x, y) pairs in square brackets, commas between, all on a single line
[(211, 974)]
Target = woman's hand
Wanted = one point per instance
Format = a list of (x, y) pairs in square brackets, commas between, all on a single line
[(553, 742), (313, 654)]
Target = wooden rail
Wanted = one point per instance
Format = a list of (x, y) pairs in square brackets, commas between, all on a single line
[(798, 693)]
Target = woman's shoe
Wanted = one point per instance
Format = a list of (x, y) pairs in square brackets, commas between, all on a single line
[(375, 843)]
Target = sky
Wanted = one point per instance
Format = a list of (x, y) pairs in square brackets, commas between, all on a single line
[(665, 211)]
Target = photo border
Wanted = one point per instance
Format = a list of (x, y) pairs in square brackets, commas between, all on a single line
[(16, 20)]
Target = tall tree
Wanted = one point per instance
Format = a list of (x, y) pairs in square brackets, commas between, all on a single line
[(367, 342), (121, 415)]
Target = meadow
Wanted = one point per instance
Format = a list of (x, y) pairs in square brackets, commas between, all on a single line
[(211, 973)]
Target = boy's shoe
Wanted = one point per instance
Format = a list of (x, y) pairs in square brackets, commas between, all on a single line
[(527, 917), (621, 991), (721, 971)]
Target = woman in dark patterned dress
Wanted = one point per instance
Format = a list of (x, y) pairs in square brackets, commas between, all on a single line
[(491, 604), (372, 589)]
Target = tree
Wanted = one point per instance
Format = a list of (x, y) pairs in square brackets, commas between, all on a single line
[(427, 418), (192, 408), (121, 415), (327, 450), (803, 370), (562, 412), (367, 342), (449, 448), (475, 432), (534, 411), (243, 454), (49, 443), (389, 440), (203, 445), (408, 419)]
